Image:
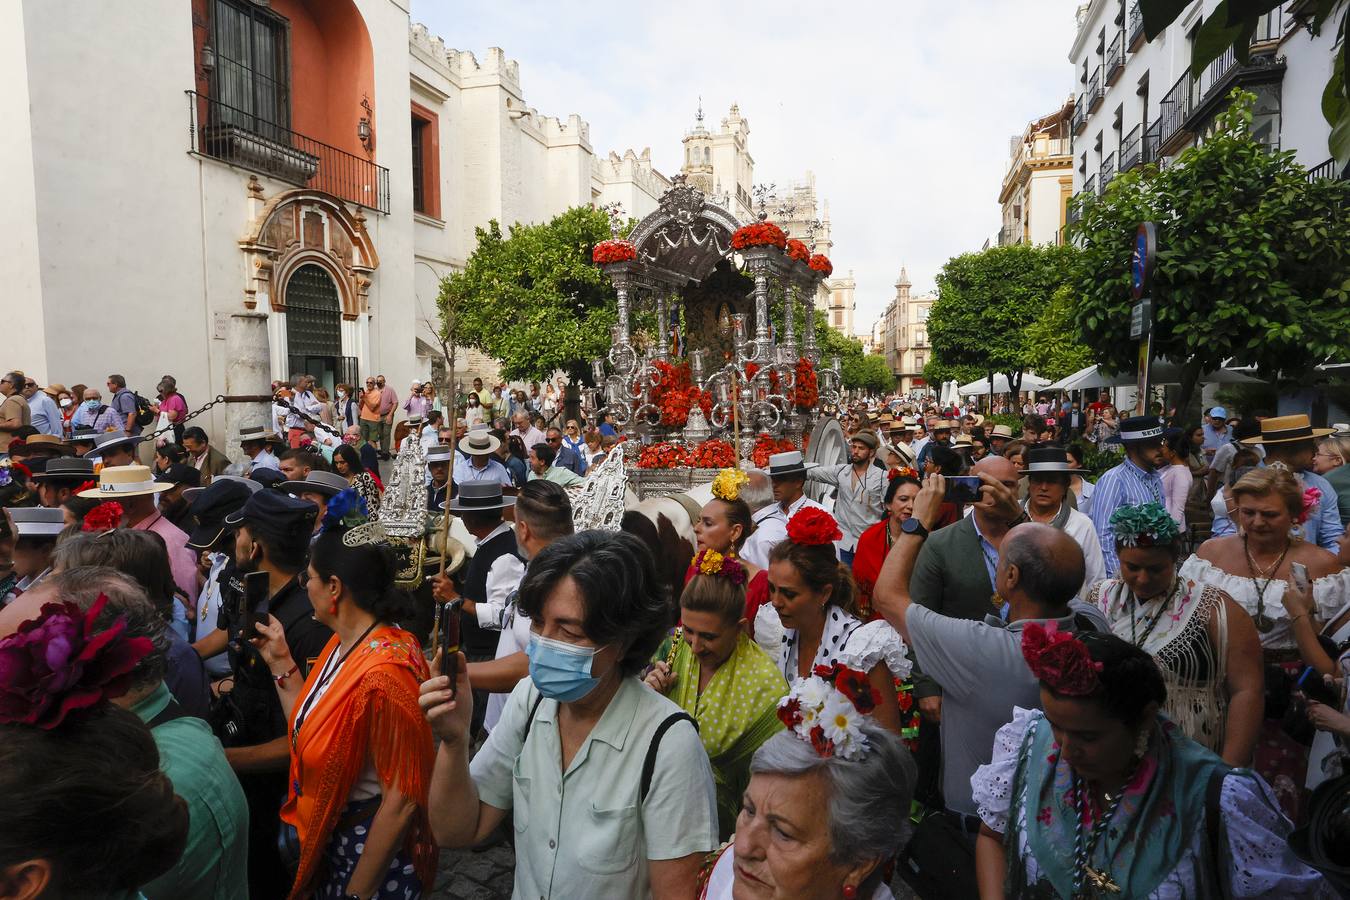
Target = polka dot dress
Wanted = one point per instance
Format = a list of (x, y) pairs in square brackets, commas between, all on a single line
[(344, 852)]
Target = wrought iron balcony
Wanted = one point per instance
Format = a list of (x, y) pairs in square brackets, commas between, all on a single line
[(243, 139), (1324, 171), (1090, 186), (1131, 148), (1136, 26), (1173, 111), (1108, 171), (1115, 58), (1079, 114), (1152, 138), (1095, 90), (1074, 213)]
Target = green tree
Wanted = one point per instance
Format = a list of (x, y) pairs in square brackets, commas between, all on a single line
[(1232, 24), (1053, 347), (868, 372), (987, 300), (936, 373), (1253, 262), (533, 299)]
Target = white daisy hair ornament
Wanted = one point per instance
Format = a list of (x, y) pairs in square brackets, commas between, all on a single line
[(826, 709)]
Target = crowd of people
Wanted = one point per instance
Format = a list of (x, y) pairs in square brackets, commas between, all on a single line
[(1085, 655)]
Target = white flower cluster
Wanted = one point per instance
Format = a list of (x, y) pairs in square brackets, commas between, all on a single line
[(823, 716)]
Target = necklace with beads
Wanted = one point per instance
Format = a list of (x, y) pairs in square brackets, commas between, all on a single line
[(1264, 623)]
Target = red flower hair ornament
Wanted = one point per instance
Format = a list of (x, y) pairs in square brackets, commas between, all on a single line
[(826, 708), (1060, 660), (104, 517), (813, 527), (59, 663)]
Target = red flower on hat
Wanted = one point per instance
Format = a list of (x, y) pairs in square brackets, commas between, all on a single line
[(58, 663), (1060, 660), (813, 527), (104, 517)]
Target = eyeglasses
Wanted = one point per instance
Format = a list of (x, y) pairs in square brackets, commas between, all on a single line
[(1326, 455)]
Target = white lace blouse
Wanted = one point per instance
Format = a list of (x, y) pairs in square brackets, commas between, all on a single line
[(1330, 593), (1261, 864), (850, 641)]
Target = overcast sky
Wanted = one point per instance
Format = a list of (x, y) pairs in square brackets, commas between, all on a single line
[(902, 108)]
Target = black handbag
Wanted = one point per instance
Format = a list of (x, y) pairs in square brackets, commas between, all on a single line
[(940, 858)]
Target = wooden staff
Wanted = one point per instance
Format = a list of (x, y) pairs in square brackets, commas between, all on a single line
[(445, 512)]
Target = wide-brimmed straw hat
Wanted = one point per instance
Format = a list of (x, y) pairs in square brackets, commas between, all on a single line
[(125, 481), (787, 465), (1286, 429), (249, 433), (1001, 431), (479, 443), (1049, 461)]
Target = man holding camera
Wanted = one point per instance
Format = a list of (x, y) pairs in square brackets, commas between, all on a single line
[(858, 503), (272, 537)]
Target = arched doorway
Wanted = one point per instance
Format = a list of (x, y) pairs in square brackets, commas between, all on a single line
[(314, 325)]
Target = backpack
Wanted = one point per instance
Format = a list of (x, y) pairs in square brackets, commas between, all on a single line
[(144, 414)]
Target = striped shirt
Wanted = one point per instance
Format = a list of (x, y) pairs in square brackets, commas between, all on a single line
[(1125, 485)]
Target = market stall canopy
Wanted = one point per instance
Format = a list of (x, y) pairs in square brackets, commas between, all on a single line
[(1162, 372), (1030, 382)]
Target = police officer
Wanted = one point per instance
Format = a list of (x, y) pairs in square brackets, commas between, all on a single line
[(272, 537)]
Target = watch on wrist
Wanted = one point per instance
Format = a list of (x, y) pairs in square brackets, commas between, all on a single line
[(912, 525)]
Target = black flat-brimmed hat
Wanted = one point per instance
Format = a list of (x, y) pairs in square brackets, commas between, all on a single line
[(74, 469), (111, 440), (1049, 461), (788, 465), (330, 484), (37, 522), (480, 496), (1142, 430), (82, 434)]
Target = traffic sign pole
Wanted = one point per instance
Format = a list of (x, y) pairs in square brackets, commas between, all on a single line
[(1141, 315)]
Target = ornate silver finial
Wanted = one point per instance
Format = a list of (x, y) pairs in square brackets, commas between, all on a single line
[(698, 117), (813, 227), (601, 500), (683, 201), (614, 211), (403, 510), (762, 194)]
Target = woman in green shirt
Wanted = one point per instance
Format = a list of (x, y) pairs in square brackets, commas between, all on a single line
[(608, 785)]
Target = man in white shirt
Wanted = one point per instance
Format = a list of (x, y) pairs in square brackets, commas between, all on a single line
[(787, 473), (528, 434), (255, 441), (1048, 472)]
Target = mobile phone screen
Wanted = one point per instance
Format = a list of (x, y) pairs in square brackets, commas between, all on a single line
[(962, 489), (449, 639), (255, 597)]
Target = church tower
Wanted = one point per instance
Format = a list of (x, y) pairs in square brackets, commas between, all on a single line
[(698, 156)]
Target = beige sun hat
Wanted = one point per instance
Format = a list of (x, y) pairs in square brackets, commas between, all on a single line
[(1284, 429), (125, 481)]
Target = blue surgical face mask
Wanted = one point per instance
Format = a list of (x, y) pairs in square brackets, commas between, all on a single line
[(91, 404), (561, 671)]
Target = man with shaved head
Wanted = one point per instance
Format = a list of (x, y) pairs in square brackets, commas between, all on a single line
[(977, 662)]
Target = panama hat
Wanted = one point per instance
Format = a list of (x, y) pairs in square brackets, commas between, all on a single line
[(1001, 431), (125, 481), (787, 465), (256, 433), (479, 442), (1285, 429)]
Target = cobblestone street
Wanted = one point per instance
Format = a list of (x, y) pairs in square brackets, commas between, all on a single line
[(465, 875)]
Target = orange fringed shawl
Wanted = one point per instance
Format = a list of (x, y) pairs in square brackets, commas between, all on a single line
[(369, 711)]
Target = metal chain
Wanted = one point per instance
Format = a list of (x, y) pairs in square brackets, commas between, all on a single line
[(220, 398), (291, 407)]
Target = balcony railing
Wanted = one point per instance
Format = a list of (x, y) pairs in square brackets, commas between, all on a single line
[(242, 139), (1131, 148), (1136, 26), (1152, 138), (1108, 171), (1174, 110), (1090, 186), (1115, 58), (1325, 170), (1079, 113), (1073, 214), (1095, 91)]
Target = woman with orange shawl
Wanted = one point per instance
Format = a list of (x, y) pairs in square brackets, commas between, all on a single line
[(361, 751)]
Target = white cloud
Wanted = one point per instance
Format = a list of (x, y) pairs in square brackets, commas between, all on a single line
[(902, 109)]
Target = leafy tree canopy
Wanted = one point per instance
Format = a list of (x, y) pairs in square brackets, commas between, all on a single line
[(987, 300), (868, 372), (1232, 24), (532, 299), (1253, 260), (1053, 348)]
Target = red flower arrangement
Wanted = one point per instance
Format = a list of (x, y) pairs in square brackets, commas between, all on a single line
[(663, 455), (807, 392), (751, 370), (104, 517), (853, 685), (765, 447), (797, 250), (758, 234), (821, 263), (713, 454), (812, 527), (676, 394), (613, 251), (1057, 658), (59, 663)]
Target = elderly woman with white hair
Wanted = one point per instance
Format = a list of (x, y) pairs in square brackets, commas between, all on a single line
[(833, 756)]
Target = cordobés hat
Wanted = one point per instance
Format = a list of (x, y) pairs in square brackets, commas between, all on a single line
[(274, 514), (1141, 430), (180, 473), (108, 440), (328, 483), (45, 443), (1285, 429), (1049, 461), (75, 469), (788, 464), (125, 481), (442, 453), (481, 495), (256, 433), (82, 434), (479, 442), (36, 522)]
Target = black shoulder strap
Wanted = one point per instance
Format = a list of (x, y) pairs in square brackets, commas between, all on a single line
[(649, 764), (170, 712), (524, 735), (1213, 830)]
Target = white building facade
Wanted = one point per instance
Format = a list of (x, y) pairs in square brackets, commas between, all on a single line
[(904, 335), (1039, 181), (1136, 102)]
